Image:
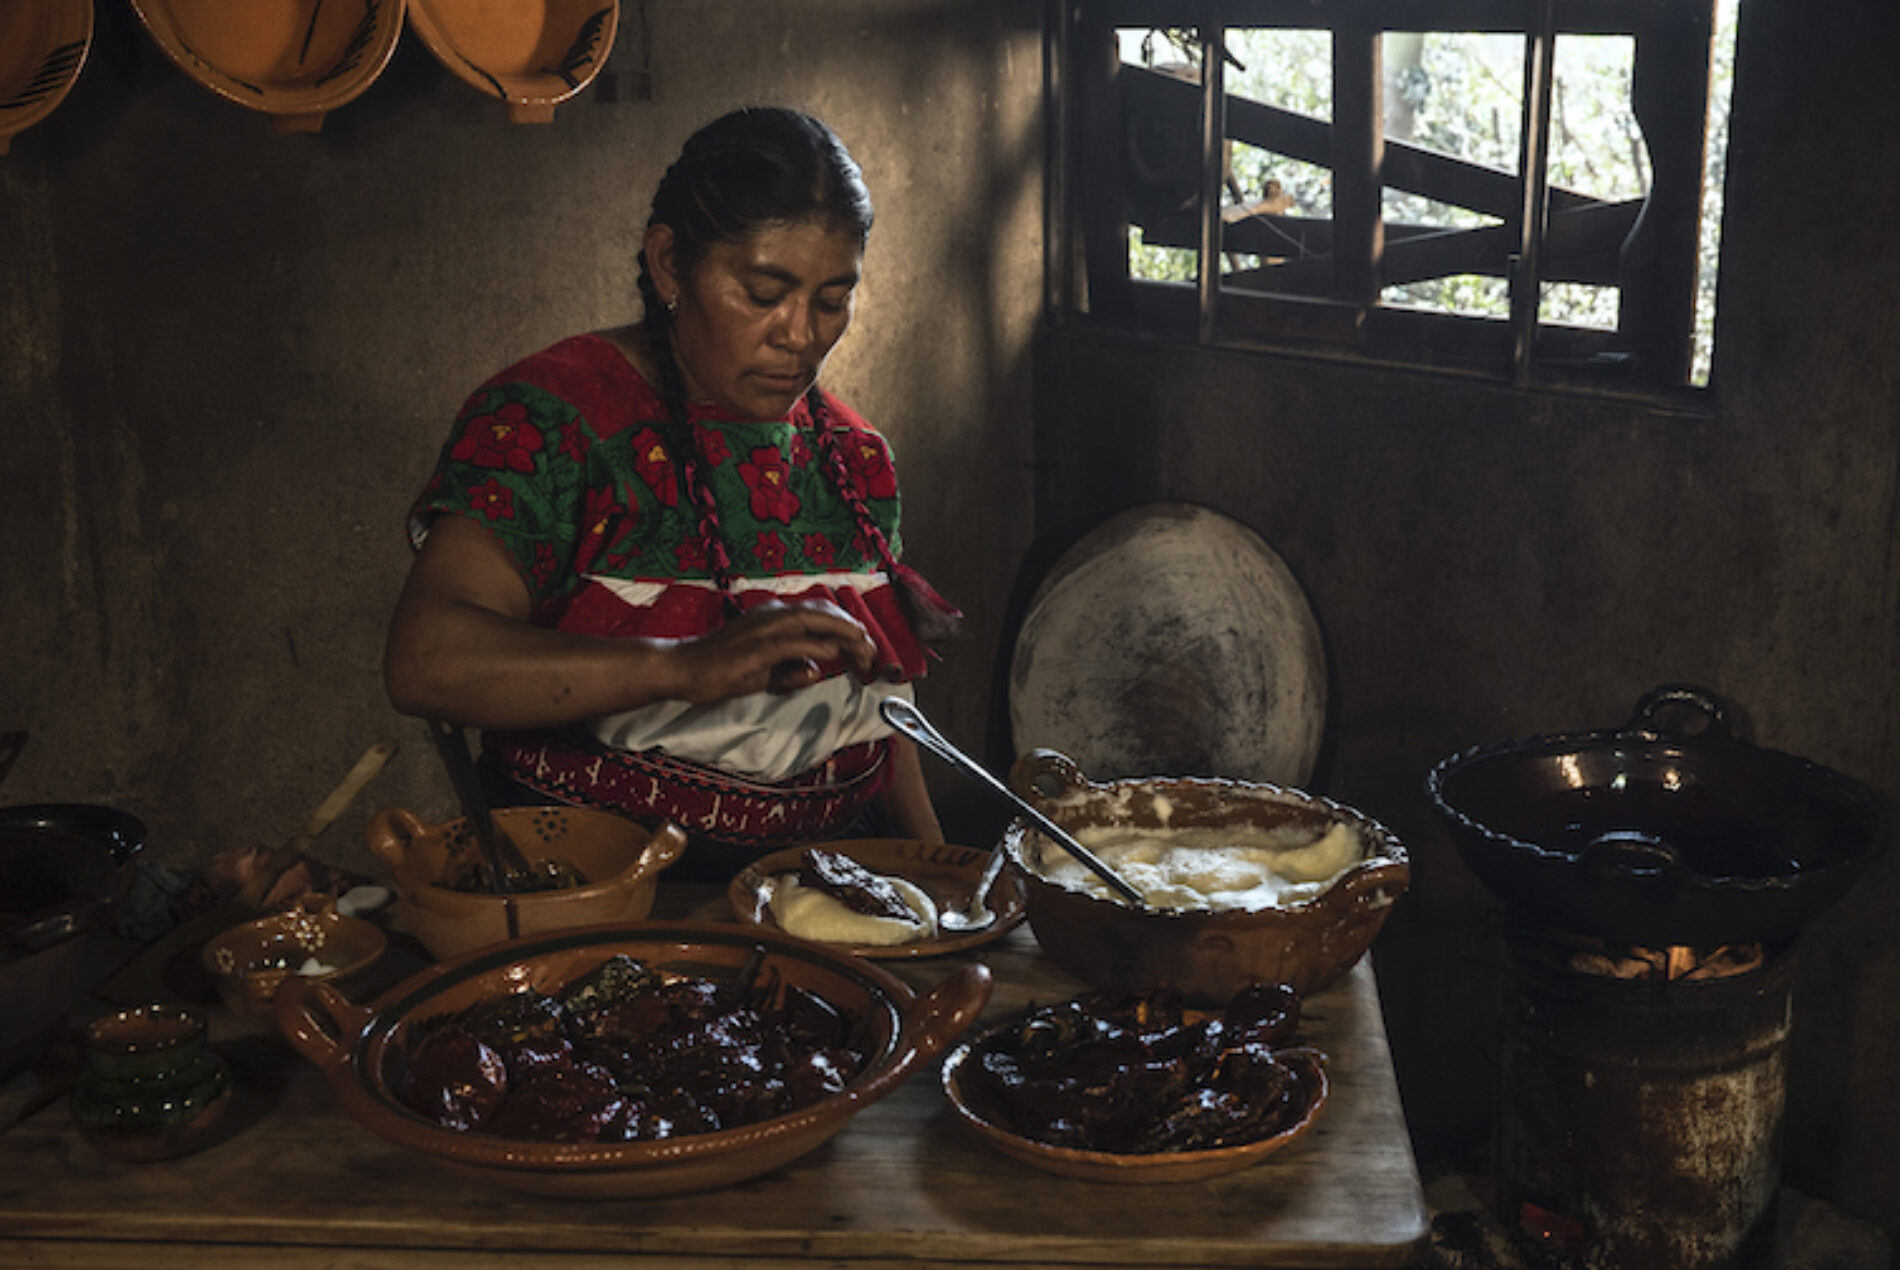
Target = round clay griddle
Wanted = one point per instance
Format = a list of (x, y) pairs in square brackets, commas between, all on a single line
[(1171, 641)]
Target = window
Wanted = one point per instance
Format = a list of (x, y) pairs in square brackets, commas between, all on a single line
[(1521, 190)]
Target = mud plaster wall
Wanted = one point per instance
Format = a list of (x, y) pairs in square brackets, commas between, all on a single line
[(228, 359), (1487, 565)]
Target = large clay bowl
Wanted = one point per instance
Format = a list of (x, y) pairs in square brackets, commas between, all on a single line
[(357, 1046), (621, 861), (294, 60), (1207, 956), (532, 54), (43, 47)]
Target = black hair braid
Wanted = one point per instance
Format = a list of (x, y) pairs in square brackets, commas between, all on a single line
[(839, 471), (677, 432)]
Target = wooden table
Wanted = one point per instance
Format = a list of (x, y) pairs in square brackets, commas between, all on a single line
[(297, 1184)]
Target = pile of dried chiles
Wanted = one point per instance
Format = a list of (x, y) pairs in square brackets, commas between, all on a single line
[(1131, 1074), (626, 1054)]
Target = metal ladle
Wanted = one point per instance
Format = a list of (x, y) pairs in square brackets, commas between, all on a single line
[(910, 721)]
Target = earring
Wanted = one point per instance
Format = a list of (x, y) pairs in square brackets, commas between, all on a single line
[(673, 305)]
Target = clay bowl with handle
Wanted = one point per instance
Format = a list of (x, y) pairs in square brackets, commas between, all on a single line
[(1206, 954), (361, 1050), (250, 962), (620, 862)]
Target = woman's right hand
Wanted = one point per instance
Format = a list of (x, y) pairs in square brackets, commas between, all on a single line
[(775, 647), (461, 648)]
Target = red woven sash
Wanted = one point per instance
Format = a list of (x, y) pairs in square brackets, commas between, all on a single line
[(703, 800)]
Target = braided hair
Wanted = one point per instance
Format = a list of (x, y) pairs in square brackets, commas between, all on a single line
[(743, 172)]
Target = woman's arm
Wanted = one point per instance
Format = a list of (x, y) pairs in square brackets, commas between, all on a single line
[(460, 647), (907, 798)]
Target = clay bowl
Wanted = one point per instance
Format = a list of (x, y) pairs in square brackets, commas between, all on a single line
[(252, 961), (533, 54), (294, 60), (358, 1048), (43, 47), (1123, 1167), (621, 861), (1206, 955)]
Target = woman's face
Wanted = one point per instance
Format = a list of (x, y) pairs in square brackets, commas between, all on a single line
[(758, 316)]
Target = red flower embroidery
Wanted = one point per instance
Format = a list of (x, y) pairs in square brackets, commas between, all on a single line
[(770, 550), (493, 499), (870, 463), (767, 475), (801, 450), (544, 564), (502, 439), (603, 512), (712, 445), (654, 463), (574, 442), (818, 549), (691, 554)]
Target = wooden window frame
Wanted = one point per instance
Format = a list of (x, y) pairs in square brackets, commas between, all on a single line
[(1648, 248)]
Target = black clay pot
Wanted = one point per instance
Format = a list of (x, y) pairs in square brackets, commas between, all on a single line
[(62, 872), (1651, 836)]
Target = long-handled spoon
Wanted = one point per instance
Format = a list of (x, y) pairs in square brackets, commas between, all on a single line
[(909, 720)]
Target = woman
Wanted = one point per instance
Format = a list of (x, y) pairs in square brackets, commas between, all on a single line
[(657, 565)]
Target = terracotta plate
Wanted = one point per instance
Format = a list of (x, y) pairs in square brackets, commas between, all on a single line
[(945, 872), (1111, 1166)]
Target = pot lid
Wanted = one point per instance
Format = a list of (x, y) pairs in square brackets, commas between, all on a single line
[(43, 45), (1171, 640), (531, 54), (294, 60)]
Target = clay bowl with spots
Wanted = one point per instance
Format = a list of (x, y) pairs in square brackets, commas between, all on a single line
[(1205, 954), (432, 868)]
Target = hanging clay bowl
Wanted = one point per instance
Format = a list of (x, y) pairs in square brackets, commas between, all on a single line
[(531, 54), (294, 60), (43, 44)]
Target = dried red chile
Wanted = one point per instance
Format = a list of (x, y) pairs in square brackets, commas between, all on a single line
[(623, 1054), (1130, 1074), (853, 885)]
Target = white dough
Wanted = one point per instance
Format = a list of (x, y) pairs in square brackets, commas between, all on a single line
[(1238, 867), (810, 913)]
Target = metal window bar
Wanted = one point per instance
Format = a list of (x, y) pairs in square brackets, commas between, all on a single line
[(1527, 268), (1213, 167)]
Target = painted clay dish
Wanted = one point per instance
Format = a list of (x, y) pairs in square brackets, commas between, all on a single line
[(1125, 1167), (43, 45), (358, 1047), (1206, 955), (621, 861), (945, 872), (251, 961), (531, 54), (294, 60)]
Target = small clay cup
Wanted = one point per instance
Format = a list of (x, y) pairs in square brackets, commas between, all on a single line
[(151, 1089)]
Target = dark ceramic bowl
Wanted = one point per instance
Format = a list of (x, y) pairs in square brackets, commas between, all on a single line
[(1657, 834), (358, 1047), (59, 896), (987, 1123), (1206, 955)]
